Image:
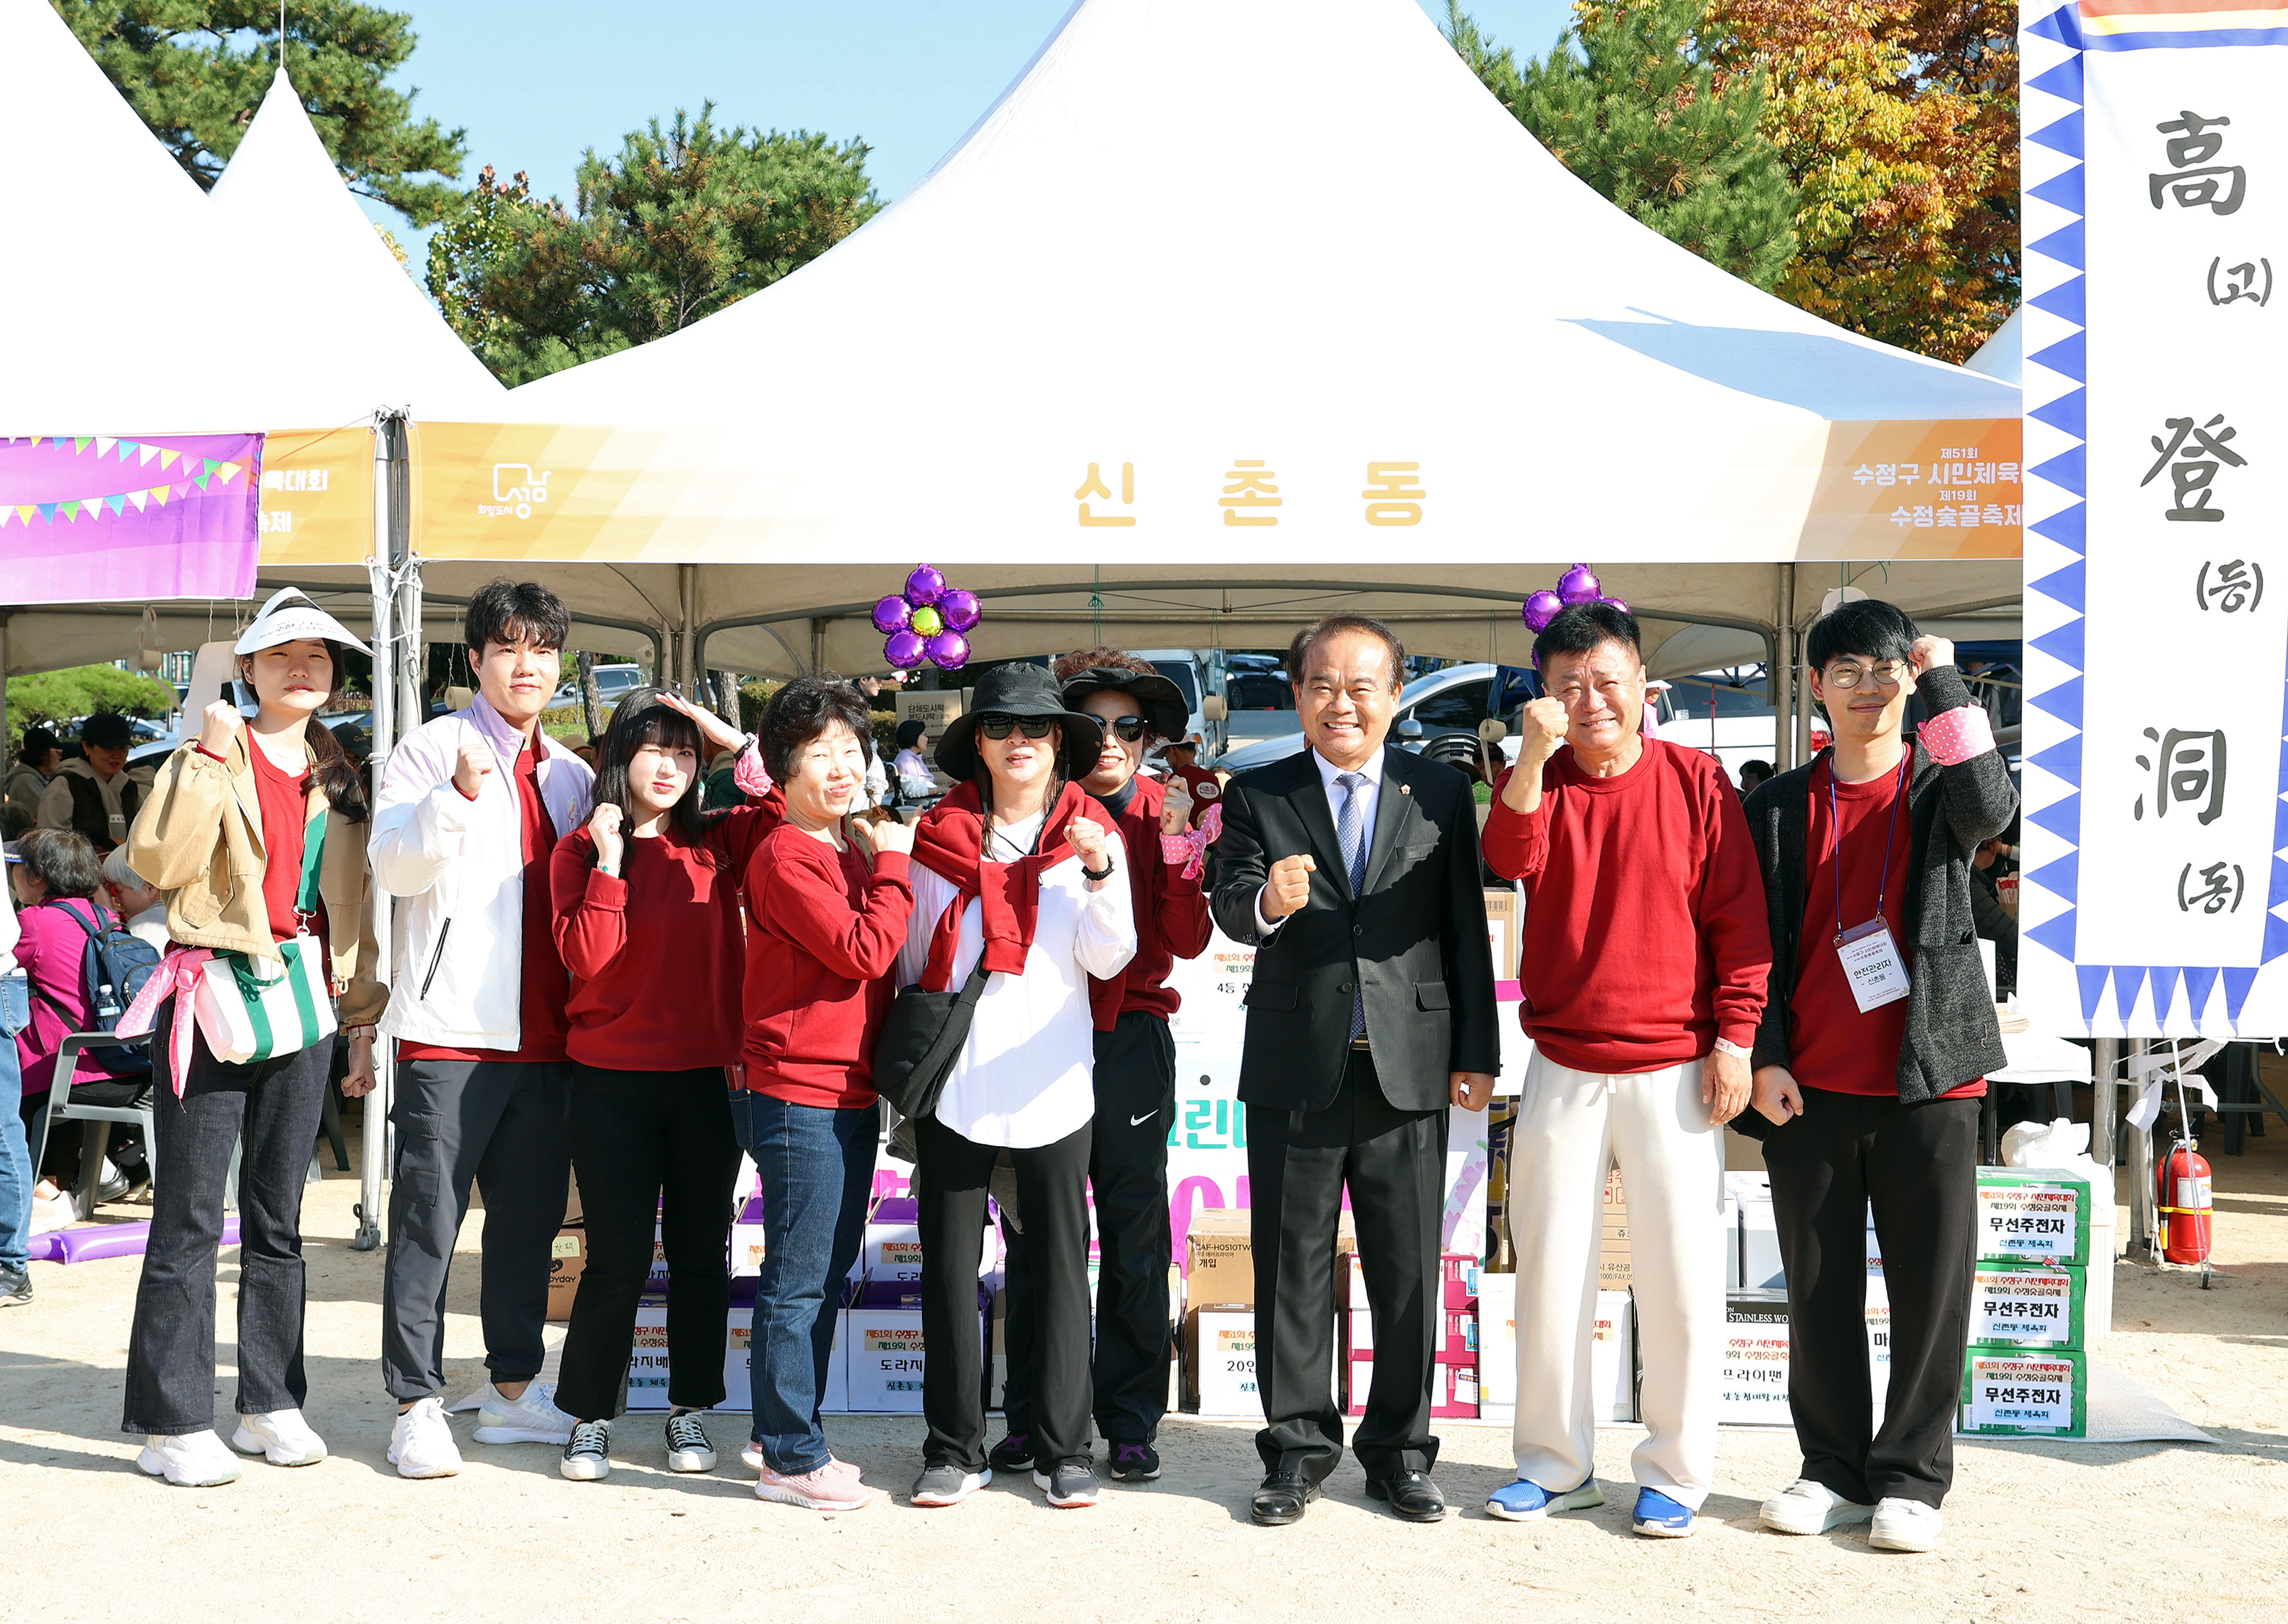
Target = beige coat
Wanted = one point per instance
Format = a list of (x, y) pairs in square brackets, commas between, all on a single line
[(199, 840)]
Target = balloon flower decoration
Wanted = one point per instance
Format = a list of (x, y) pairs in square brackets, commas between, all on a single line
[(1577, 585), (928, 620)]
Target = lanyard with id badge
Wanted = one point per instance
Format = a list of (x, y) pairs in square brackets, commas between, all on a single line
[(1870, 958)]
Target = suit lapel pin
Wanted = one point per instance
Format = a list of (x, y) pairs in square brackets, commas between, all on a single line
[(1406, 789)]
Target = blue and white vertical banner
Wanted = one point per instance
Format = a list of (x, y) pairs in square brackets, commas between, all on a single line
[(2156, 221)]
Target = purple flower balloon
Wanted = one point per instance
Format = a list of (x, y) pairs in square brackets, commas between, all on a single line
[(948, 650), (891, 615), (1541, 608), (1615, 603), (925, 586), (1579, 585), (961, 609), (904, 650)]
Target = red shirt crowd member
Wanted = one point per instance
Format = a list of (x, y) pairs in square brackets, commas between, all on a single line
[(1871, 1062), (831, 897), (1643, 964), (1203, 786), (648, 916), (468, 813), (1135, 1070)]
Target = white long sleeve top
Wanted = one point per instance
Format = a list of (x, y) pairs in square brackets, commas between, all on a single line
[(1025, 1077)]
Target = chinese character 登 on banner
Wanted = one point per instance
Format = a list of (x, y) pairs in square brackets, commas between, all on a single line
[(2155, 215)]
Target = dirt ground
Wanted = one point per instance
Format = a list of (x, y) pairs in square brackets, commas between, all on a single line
[(2036, 1531)]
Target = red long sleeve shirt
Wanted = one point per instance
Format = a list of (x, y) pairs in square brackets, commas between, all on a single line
[(655, 952), (827, 931), (1646, 935), (1171, 915)]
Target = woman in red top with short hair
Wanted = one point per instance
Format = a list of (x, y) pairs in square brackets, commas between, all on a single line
[(647, 916)]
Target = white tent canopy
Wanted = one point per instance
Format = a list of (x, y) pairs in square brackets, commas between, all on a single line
[(1295, 232)]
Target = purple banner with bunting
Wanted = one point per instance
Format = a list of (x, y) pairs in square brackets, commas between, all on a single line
[(91, 519)]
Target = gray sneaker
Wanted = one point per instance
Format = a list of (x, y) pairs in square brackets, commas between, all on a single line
[(1071, 1485), (15, 1285), (947, 1485)]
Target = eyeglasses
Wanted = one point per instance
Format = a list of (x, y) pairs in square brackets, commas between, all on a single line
[(1128, 728), (1888, 673), (1001, 727)]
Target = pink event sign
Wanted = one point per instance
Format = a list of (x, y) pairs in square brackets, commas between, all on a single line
[(91, 519)]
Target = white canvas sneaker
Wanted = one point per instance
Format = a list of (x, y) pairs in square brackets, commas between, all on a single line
[(422, 1444), (530, 1418), (1905, 1524), (281, 1437), (1805, 1507), (189, 1460)]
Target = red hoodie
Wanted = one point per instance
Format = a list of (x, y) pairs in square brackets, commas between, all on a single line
[(1171, 915), (1646, 937)]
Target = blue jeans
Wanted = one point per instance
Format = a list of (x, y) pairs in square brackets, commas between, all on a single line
[(817, 1169), (16, 1179)]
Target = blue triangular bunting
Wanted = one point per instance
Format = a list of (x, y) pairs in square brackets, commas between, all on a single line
[(2063, 136), (2065, 645), (2275, 936), (2065, 245), (2068, 355), (2061, 878), (2092, 978), (2069, 470), (2165, 993), (2062, 190), (2068, 414), (2128, 981), (2056, 934), (2065, 586), (2279, 891), (2200, 981), (2062, 24), (2062, 758), (2062, 82), (2236, 983), (2062, 819), (2069, 299), (2062, 701)]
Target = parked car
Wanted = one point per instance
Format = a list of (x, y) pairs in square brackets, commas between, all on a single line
[(1449, 701), (1199, 674), (614, 683)]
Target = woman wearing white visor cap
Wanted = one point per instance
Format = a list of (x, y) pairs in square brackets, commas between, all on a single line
[(242, 1014)]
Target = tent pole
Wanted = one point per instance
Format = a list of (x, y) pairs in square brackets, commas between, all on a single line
[(1782, 675), (4, 690), (686, 641), (382, 582)]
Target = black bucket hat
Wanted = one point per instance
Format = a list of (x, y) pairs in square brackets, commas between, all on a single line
[(1019, 691), (1160, 700)]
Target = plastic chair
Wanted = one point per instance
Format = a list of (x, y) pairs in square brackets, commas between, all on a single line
[(63, 1108)]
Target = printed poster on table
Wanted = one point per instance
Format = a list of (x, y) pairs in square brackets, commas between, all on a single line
[(2156, 220)]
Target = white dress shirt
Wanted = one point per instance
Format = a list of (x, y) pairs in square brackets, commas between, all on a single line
[(1025, 1075), (1369, 794)]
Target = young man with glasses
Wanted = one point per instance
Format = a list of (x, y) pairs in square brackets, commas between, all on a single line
[(1872, 1061), (1134, 1076)]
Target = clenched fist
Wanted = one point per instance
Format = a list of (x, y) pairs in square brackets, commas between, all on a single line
[(476, 765), (219, 725), (1289, 888), (1087, 837), (1176, 810), (1540, 730), (604, 829), (880, 834), (1929, 652)]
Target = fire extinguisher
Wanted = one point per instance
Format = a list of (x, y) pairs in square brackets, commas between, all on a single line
[(2184, 1204)]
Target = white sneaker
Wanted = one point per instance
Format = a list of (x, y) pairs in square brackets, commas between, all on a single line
[(1905, 1524), (422, 1444), (189, 1460), (1805, 1507), (283, 1437), (531, 1418), (54, 1212)]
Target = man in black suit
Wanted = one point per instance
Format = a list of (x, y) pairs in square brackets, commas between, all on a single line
[(1353, 869)]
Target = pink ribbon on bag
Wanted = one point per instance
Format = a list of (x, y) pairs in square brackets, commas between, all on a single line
[(177, 977), (748, 772), (1190, 848)]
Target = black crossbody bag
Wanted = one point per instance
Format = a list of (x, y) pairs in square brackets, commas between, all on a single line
[(921, 1036)]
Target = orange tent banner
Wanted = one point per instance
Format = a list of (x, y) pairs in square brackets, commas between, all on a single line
[(317, 497)]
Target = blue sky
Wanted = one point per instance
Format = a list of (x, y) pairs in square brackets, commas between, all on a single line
[(537, 84)]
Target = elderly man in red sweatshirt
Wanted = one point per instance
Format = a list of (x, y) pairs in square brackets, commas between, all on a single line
[(1646, 951), (1135, 1073)]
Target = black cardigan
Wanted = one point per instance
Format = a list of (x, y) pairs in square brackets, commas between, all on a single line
[(1953, 1035)]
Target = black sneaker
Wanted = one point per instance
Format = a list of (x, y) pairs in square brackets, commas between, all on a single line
[(1012, 1454), (587, 1453), (947, 1485), (1134, 1463), (1071, 1485), (15, 1286)]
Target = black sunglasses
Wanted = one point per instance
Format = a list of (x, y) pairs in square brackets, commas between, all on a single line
[(1001, 727), (1130, 728)]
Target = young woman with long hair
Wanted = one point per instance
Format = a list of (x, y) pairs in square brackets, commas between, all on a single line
[(275, 797), (647, 900)]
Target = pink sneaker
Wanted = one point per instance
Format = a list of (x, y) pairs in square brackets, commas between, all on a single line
[(822, 1490), (842, 1467)]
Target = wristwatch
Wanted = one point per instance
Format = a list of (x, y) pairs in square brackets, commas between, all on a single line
[(1725, 1046), (1095, 874)]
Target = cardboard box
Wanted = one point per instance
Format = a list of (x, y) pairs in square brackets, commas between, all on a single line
[(2027, 1305), (747, 1240), (2024, 1393), (885, 1359), (1358, 1376), (1358, 1332), (1458, 1272), (1459, 1343), (1497, 1339), (1501, 929), (1613, 1242), (1613, 1363), (647, 1363), (2032, 1216), (1219, 1354), (1751, 1385), (567, 1261), (1761, 1269), (1454, 1393), (1219, 1263)]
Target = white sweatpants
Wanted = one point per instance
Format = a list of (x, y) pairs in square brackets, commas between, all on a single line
[(1672, 1157)]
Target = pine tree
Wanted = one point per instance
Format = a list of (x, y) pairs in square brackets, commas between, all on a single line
[(1637, 112), (195, 70)]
